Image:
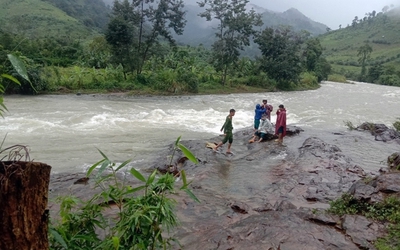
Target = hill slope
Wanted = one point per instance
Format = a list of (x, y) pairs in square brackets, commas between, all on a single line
[(36, 18), (381, 31), (294, 18)]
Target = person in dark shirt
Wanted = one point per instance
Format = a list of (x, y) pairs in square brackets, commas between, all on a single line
[(227, 128)]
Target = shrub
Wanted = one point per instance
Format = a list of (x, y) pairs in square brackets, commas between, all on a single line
[(387, 210), (337, 78), (396, 125), (308, 79), (141, 221), (391, 80), (349, 125), (189, 79)]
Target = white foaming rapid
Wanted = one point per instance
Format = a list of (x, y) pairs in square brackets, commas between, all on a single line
[(65, 131)]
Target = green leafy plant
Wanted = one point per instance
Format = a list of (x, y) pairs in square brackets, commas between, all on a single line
[(144, 212), (349, 125), (337, 78), (20, 68), (388, 211), (396, 125)]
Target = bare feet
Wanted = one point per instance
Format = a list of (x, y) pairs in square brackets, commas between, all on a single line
[(251, 141)]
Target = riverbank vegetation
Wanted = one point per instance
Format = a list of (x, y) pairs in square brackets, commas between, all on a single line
[(138, 53)]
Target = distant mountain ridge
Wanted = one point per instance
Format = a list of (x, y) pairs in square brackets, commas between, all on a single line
[(199, 31)]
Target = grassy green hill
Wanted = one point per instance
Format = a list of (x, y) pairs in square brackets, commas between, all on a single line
[(381, 31), (37, 18)]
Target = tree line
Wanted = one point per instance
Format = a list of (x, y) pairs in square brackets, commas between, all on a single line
[(138, 50)]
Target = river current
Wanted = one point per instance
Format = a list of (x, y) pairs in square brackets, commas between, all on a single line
[(65, 131)]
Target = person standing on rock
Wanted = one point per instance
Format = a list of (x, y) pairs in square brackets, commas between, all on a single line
[(259, 111), (268, 108), (280, 126), (227, 128)]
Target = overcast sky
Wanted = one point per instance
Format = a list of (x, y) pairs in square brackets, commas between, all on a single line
[(329, 12)]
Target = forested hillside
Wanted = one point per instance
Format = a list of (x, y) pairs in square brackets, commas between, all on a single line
[(295, 19), (378, 33), (92, 13), (38, 19)]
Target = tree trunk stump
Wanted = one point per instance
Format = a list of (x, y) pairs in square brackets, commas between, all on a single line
[(23, 205)]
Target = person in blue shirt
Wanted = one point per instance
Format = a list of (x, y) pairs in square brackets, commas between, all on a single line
[(259, 111)]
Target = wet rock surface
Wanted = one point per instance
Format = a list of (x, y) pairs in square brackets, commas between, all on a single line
[(381, 132), (285, 210)]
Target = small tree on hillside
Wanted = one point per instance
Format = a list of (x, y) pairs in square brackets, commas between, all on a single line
[(234, 31), (137, 27), (363, 54)]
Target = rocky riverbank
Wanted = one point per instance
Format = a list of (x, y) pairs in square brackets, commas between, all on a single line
[(283, 207)]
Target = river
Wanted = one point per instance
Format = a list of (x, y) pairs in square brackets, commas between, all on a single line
[(65, 131)]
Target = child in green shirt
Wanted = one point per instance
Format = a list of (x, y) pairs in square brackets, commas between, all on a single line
[(227, 128)]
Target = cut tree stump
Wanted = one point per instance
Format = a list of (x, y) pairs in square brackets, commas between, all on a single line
[(23, 205)]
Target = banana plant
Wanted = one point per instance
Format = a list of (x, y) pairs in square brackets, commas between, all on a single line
[(18, 66)]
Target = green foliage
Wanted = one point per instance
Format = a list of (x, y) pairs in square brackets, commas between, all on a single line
[(39, 19), (78, 223), (337, 78), (308, 80), (144, 212), (346, 204), (396, 125), (383, 33), (98, 53), (136, 29), (313, 52), (19, 67), (374, 72), (92, 13), (235, 28), (363, 54), (387, 210), (390, 242), (281, 55), (391, 80), (349, 125), (322, 69)]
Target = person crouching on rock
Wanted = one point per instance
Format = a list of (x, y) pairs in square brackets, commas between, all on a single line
[(227, 128), (265, 130), (280, 126)]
